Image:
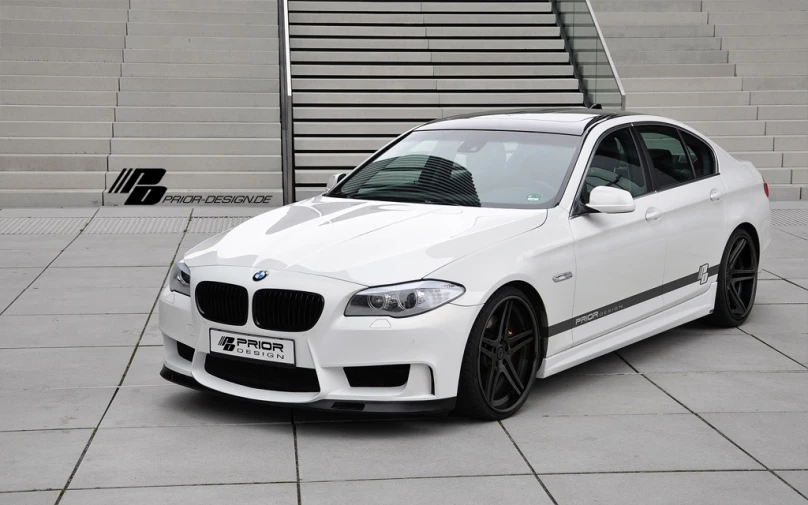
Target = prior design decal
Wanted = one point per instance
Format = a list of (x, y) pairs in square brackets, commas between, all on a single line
[(275, 350), (702, 276)]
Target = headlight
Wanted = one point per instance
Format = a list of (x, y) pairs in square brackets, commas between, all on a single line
[(403, 300), (180, 280)]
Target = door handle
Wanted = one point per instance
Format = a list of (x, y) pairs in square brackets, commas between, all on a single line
[(653, 214), (715, 195)]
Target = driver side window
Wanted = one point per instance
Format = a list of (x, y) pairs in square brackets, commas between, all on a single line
[(616, 163)]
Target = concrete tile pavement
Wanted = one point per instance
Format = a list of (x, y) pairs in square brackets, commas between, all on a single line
[(697, 414)]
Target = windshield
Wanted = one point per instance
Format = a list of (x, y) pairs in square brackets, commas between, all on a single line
[(471, 168)]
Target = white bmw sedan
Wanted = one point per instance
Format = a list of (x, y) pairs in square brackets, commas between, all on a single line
[(467, 258)]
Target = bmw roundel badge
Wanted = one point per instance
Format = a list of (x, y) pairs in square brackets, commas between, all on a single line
[(260, 275)]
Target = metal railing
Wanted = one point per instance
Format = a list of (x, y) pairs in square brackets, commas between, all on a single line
[(287, 119), (590, 56)]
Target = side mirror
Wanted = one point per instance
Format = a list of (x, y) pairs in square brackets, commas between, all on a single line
[(334, 180), (611, 200)]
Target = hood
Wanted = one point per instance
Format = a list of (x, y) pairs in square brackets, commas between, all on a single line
[(368, 243)]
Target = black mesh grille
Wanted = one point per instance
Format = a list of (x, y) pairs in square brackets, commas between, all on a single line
[(383, 376), (259, 376), (284, 310), (222, 303)]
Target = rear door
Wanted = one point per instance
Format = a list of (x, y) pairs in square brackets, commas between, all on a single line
[(690, 197)]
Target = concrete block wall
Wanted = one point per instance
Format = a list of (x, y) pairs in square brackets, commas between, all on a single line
[(365, 71), (736, 70), (89, 87)]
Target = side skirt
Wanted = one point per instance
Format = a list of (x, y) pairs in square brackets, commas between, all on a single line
[(685, 312)]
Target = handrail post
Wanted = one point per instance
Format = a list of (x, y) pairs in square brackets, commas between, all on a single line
[(608, 56), (286, 115)]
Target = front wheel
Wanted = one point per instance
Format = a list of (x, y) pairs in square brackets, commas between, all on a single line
[(737, 281), (501, 357)]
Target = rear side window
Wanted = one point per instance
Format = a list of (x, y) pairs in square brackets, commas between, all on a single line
[(669, 163), (700, 154)]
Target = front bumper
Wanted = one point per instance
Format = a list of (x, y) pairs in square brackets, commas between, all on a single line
[(431, 344), (369, 407)]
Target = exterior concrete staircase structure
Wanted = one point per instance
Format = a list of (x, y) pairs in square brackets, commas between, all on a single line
[(365, 71), (90, 87), (736, 70)]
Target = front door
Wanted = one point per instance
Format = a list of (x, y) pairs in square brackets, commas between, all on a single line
[(620, 258)]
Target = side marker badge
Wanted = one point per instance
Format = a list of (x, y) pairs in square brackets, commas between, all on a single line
[(562, 277)]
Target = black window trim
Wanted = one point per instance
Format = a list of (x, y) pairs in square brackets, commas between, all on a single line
[(707, 145), (649, 163), (579, 208)]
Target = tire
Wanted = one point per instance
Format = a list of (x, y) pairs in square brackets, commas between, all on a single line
[(737, 281), (507, 354)]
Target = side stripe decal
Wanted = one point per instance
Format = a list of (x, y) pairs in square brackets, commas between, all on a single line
[(629, 302)]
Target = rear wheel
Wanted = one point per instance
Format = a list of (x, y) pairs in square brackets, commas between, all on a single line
[(501, 357), (737, 281)]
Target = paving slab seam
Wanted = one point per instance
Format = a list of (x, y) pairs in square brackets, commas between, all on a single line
[(123, 377), (297, 460), (787, 280), (48, 265), (771, 471), (524, 458), (775, 349)]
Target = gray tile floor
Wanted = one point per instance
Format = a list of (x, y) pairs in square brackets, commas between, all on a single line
[(695, 415)]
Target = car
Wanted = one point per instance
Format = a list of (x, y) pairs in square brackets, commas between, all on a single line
[(467, 258)]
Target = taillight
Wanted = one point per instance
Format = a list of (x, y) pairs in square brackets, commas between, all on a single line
[(766, 188)]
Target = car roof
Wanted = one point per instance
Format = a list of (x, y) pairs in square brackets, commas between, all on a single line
[(562, 121)]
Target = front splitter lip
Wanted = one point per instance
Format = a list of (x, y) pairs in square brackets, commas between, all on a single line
[(434, 407)]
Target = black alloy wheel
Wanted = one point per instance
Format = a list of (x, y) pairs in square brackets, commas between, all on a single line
[(737, 281), (502, 357)]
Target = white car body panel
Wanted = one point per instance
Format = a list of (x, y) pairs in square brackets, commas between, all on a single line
[(625, 277)]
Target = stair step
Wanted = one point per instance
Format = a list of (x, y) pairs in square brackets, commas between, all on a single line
[(57, 113), (203, 17), (754, 29), (51, 198), (753, 5), (795, 159), (47, 82), (53, 129), (61, 54), (53, 162), (195, 130), (216, 146), (657, 31), (793, 97), (776, 175), (664, 44), (783, 112), (784, 83), (55, 68), (64, 27), (729, 128), (651, 18), (201, 30), (794, 127), (794, 56), (189, 70), (63, 145), (196, 99), (206, 5), (681, 70), (51, 180), (26, 97), (665, 57), (198, 114), (682, 84), (787, 193), (62, 13), (51, 40), (774, 42), (196, 162), (210, 84), (703, 98), (168, 43), (758, 18)]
